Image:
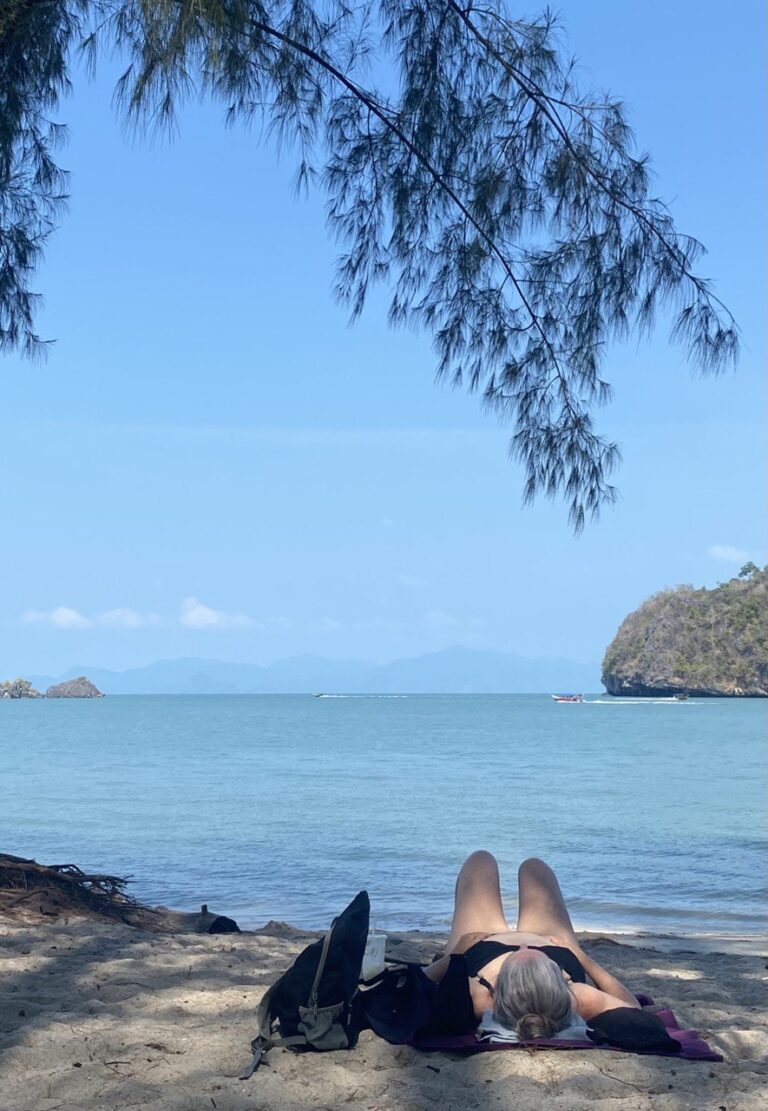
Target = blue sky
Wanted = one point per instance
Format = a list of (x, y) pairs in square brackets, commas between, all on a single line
[(211, 462)]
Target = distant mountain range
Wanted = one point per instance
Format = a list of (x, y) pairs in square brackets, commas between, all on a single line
[(452, 671)]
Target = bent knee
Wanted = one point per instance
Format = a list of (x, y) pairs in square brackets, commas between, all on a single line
[(533, 864), (479, 860)]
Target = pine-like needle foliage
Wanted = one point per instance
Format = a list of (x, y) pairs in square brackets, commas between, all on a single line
[(35, 39), (503, 205)]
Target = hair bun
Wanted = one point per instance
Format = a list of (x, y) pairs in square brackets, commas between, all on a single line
[(533, 1026)]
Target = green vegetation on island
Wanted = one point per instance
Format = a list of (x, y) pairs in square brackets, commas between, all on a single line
[(703, 642)]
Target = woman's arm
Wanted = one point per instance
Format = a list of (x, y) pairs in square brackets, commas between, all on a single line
[(607, 983), (438, 969), (592, 1001), (620, 995)]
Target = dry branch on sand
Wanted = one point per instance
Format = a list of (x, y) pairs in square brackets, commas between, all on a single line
[(57, 888), (31, 889)]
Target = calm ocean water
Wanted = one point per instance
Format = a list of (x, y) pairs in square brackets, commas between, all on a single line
[(284, 806)]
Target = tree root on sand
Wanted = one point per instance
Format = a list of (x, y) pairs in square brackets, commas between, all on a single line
[(60, 888)]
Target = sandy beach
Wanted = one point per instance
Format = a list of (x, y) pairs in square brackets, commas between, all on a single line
[(98, 1015)]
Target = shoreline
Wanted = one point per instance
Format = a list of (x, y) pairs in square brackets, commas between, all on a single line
[(743, 944), (710, 931), (749, 945), (738, 945), (96, 1014)]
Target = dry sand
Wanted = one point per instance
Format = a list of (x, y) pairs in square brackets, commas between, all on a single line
[(96, 1015)]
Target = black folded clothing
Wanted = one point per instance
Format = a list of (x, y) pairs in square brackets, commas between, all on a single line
[(396, 1004), (629, 1028)]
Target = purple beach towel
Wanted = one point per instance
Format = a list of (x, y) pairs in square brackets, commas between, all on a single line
[(692, 1046)]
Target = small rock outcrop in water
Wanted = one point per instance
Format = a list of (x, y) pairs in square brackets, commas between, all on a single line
[(701, 642), (18, 688), (74, 688)]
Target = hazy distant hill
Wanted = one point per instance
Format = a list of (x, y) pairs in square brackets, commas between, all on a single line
[(453, 671), (706, 642)]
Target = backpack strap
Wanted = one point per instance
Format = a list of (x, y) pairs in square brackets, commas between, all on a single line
[(312, 1001), (265, 1039)]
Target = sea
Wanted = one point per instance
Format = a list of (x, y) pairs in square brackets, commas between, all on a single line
[(281, 807)]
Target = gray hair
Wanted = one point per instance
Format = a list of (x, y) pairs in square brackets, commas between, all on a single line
[(532, 998)]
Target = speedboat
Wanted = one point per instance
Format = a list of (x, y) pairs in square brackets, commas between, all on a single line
[(568, 697)]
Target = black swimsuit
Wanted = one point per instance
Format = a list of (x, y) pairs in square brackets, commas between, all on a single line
[(483, 952), (452, 1010)]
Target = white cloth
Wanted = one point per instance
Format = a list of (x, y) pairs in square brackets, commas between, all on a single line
[(490, 1030)]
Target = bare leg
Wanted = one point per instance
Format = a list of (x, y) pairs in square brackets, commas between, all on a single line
[(478, 906), (542, 908)]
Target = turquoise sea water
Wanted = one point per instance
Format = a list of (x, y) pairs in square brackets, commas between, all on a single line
[(282, 807)]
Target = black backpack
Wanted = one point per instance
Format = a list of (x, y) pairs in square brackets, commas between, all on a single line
[(312, 1003)]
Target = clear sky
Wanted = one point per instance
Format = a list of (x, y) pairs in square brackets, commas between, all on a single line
[(212, 463)]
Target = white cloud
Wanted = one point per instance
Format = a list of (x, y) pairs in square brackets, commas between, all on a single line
[(726, 553), (196, 615), (330, 625), (125, 618), (62, 618)]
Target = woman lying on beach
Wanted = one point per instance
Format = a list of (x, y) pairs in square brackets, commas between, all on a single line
[(535, 978)]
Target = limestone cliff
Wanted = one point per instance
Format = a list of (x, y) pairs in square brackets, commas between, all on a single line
[(702, 642), (74, 688)]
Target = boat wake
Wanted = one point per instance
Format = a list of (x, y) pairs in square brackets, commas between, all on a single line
[(361, 696), (637, 702)]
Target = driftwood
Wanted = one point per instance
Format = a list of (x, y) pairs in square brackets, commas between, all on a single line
[(53, 889), (57, 888)]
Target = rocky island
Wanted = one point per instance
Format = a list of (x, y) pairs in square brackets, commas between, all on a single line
[(18, 688), (74, 688), (701, 642)]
